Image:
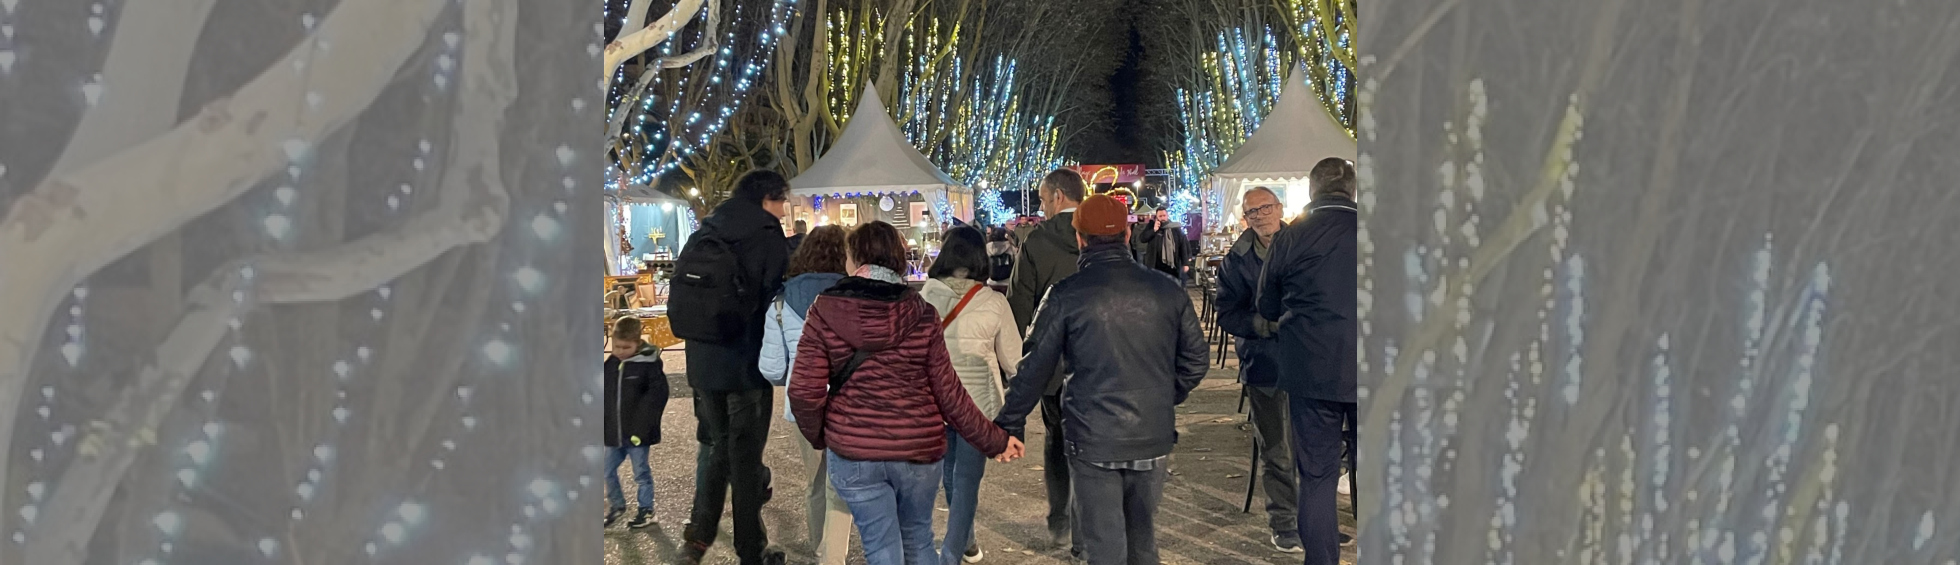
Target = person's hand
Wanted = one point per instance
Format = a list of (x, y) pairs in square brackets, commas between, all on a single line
[(1015, 449)]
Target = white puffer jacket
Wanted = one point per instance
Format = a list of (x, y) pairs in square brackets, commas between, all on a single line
[(984, 341)]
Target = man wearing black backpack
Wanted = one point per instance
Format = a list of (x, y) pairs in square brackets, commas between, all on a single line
[(730, 270)]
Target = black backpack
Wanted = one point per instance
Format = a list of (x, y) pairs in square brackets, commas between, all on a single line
[(1003, 264), (710, 299)]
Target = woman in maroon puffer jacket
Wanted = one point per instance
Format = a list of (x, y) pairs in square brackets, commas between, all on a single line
[(885, 429)]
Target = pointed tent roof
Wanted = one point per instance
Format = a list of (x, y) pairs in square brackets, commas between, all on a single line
[(870, 156), (1298, 133)]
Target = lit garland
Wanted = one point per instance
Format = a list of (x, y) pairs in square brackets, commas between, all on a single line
[(668, 123)]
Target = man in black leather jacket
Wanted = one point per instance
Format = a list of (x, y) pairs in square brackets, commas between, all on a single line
[(1309, 288), (1132, 339)]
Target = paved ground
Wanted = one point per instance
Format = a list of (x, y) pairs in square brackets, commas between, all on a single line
[(1199, 521)]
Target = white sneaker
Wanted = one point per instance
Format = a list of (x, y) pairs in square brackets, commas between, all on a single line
[(974, 554), (1344, 487)]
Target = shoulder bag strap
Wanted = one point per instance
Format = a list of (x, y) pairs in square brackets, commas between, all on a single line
[(948, 321), (842, 373)]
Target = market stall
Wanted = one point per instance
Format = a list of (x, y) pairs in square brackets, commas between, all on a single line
[(1296, 134), (649, 227), (873, 173)]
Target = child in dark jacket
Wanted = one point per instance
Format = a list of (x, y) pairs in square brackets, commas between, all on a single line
[(636, 396)]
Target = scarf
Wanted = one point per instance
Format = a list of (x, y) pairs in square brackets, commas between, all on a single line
[(879, 273)]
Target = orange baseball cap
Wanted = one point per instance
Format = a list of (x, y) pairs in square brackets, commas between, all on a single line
[(1101, 215)]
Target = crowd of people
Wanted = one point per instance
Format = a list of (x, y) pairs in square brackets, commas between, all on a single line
[(900, 393)]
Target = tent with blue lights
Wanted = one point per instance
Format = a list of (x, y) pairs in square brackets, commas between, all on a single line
[(1296, 134), (873, 166)]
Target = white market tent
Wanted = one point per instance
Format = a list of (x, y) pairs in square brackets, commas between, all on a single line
[(871, 157), (1298, 133)]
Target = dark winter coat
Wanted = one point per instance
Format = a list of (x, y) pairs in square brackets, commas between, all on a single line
[(758, 239), (899, 402), (1048, 255), (1238, 312), (1133, 340), (1150, 244), (1309, 288), (636, 396)]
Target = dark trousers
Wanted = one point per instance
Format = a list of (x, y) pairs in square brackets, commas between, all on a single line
[(734, 426), (1271, 427), (1055, 472), (1118, 518), (1321, 429)]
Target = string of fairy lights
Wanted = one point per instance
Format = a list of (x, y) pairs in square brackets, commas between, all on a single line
[(673, 117), (1241, 79)]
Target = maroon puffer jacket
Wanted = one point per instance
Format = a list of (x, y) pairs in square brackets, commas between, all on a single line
[(897, 405)]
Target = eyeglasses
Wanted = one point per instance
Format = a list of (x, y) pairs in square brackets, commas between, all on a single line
[(1262, 210)]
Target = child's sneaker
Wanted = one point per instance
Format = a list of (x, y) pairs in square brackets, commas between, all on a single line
[(641, 520), (613, 516)]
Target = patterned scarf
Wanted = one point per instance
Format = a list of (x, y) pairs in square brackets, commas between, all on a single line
[(879, 273)]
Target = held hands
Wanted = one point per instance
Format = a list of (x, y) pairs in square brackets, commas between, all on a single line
[(1015, 449)]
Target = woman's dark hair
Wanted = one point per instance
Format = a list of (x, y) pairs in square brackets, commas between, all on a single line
[(822, 251), (759, 185), (965, 251), (996, 234), (878, 243)]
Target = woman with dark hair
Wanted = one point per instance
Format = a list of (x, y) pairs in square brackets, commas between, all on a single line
[(984, 344), (816, 265), (892, 392), (1000, 254)]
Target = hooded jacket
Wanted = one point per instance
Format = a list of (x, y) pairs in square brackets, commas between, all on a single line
[(782, 327), (636, 397), (1137, 351), (898, 403), (1309, 288), (983, 340), (1048, 255), (758, 239)]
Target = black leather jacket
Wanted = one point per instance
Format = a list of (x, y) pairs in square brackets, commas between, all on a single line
[(1132, 339)]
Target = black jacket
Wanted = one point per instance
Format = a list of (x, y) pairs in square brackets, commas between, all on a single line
[(1309, 287), (1238, 308), (1149, 246), (794, 242), (1133, 339), (1048, 255), (759, 241), (636, 396)]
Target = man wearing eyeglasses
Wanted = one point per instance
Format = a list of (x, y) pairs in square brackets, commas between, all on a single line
[(1238, 313)]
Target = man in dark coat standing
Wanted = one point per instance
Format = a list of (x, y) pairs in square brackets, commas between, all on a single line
[(732, 401), (1129, 374), (1259, 365), (1161, 244), (1048, 255), (1309, 289), (801, 230)]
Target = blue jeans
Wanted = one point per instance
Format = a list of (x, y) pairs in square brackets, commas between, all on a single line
[(891, 502), (641, 475), (964, 468)]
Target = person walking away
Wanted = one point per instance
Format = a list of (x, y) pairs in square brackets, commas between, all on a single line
[(1048, 254), (875, 385), (723, 282), (1309, 289), (984, 345), (1238, 314), (1161, 245), (814, 267), (1000, 255), (636, 396), (1129, 374), (801, 230)]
